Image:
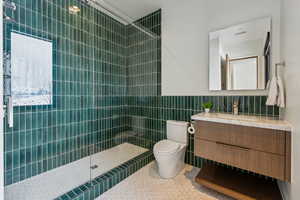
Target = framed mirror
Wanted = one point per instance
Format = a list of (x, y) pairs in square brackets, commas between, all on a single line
[(240, 56)]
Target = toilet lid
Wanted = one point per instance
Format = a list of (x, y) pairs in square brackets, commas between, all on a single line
[(166, 146)]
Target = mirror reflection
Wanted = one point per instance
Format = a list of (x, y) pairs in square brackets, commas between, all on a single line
[(239, 56)]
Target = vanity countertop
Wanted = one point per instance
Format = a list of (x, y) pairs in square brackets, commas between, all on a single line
[(245, 120)]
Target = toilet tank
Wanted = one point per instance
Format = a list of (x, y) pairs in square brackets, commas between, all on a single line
[(177, 131)]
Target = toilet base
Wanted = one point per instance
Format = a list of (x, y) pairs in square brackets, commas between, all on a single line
[(170, 172), (169, 166)]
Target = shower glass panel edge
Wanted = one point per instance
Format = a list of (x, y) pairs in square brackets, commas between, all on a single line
[(142, 52), (1, 106), (129, 134)]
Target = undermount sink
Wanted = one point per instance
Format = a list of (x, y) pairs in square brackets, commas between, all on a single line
[(244, 120), (236, 117)]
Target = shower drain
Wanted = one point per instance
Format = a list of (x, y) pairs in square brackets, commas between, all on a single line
[(94, 166)]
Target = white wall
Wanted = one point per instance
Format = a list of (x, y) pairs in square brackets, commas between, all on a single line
[(215, 63), (185, 28), (290, 53)]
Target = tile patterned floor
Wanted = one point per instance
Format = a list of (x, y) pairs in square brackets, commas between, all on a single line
[(44, 186), (147, 185)]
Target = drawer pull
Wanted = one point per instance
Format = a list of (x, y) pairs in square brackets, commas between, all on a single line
[(235, 146)]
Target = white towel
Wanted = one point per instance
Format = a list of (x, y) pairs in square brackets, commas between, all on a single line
[(281, 93), (273, 92)]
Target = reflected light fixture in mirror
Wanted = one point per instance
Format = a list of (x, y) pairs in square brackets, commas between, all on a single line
[(74, 9)]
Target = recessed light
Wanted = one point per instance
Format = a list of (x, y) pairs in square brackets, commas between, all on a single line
[(241, 33), (74, 9)]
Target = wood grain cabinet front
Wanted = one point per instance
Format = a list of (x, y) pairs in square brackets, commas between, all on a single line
[(263, 151)]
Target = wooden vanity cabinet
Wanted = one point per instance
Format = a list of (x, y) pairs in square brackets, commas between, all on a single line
[(260, 150)]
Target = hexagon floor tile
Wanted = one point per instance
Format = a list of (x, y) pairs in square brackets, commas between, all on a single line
[(147, 185)]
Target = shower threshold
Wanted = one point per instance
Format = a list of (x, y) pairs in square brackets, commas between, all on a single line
[(57, 182), (92, 189)]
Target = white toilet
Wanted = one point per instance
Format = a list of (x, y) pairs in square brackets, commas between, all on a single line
[(170, 153)]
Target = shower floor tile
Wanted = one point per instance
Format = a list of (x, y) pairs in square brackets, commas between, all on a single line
[(111, 158), (147, 185), (45, 186)]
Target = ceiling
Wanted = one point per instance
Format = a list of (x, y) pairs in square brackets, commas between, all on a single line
[(130, 10), (252, 31)]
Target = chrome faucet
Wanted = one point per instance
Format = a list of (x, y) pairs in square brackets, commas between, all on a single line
[(235, 107)]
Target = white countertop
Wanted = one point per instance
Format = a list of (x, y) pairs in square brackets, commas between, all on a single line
[(245, 120)]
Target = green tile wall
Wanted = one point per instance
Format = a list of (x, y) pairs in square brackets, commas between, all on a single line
[(89, 102), (144, 57)]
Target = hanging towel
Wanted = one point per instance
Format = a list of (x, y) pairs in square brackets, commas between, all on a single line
[(281, 93), (273, 92)]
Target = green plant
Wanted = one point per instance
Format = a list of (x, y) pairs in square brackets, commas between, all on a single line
[(207, 105)]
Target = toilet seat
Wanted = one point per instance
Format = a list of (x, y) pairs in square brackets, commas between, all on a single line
[(166, 147)]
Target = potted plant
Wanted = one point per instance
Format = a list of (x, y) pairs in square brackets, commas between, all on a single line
[(207, 106)]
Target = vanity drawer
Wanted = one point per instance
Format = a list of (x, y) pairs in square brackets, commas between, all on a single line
[(267, 164), (230, 155), (267, 140), (259, 162)]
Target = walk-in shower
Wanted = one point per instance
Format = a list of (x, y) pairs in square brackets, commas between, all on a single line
[(91, 132)]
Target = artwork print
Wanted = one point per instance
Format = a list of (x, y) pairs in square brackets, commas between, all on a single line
[(31, 70)]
